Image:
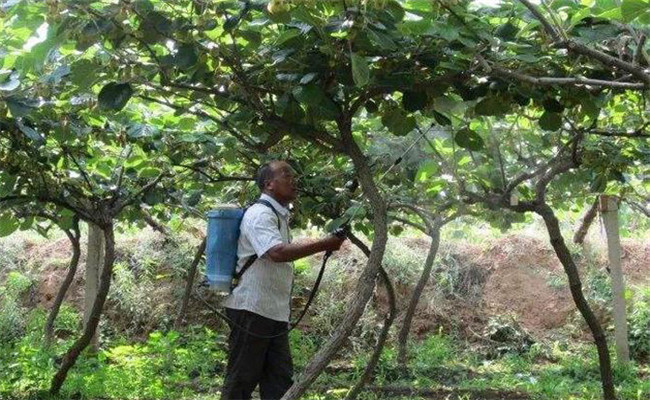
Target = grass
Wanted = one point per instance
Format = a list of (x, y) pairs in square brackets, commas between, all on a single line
[(154, 362)]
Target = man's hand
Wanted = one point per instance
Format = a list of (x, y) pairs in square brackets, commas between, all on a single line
[(333, 242)]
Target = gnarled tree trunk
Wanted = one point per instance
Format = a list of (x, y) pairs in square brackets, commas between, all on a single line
[(368, 372), (575, 285), (74, 237), (587, 220), (402, 337), (77, 347), (191, 275), (366, 281)]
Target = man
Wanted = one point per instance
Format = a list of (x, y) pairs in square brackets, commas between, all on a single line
[(259, 307)]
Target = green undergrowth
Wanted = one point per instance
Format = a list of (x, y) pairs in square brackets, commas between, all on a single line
[(190, 365)]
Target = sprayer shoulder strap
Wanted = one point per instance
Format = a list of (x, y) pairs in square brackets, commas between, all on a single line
[(238, 274)]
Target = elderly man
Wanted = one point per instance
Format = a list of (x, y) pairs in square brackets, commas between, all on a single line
[(259, 306)]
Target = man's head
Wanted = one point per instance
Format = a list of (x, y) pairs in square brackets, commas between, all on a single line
[(277, 179)]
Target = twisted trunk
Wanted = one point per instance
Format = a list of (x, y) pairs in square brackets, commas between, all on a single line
[(575, 285), (191, 275), (587, 220), (366, 281), (80, 344), (368, 372), (65, 285), (402, 337)]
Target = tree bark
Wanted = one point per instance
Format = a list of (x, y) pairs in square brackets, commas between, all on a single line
[(155, 225), (65, 285), (402, 337), (191, 275), (609, 214), (575, 285), (94, 259), (366, 281), (77, 347), (587, 219), (368, 372)]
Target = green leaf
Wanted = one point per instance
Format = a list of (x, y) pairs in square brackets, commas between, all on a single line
[(360, 71), (186, 56), (441, 119), (414, 100), (632, 9), (550, 121), (19, 107), (8, 224), (381, 40), (469, 139), (149, 172), (398, 121), (293, 112), (137, 131), (114, 96), (83, 73), (493, 105), (507, 31), (11, 83), (552, 105), (314, 97), (427, 170), (29, 132)]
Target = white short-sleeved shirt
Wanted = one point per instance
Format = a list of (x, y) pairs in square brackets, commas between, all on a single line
[(265, 287)]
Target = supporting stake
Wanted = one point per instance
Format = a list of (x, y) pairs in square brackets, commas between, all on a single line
[(609, 213)]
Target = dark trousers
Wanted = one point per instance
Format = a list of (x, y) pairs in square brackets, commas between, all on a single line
[(253, 360)]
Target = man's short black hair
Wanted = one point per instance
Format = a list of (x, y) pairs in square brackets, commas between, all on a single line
[(264, 174)]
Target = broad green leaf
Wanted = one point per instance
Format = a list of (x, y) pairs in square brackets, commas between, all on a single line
[(293, 112), (20, 107), (381, 40), (398, 121), (149, 172), (469, 139), (427, 170), (413, 100), (186, 56), (11, 83), (552, 105), (29, 132), (493, 105), (507, 31), (441, 119), (360, 71), (83, 73), (114, 96), (550, 121), (7, 183), (632, 9), (8, 224), (314, 97), (137, 131)]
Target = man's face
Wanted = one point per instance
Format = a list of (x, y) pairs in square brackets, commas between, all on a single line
[(283, 185)]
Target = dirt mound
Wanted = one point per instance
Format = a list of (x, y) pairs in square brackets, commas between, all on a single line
[(51, 261), (519, 284), (515, 275)]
